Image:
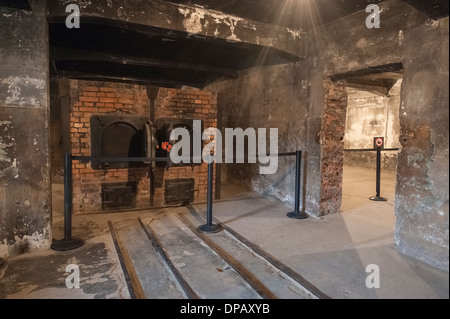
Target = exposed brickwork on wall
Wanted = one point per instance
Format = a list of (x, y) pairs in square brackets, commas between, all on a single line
[(100, 98), (332, 136), (187, 104)]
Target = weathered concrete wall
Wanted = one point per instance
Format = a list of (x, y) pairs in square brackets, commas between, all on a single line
[(421, 44), (422, 185), (281, 97), (25, 203), (344, 46), (56, 133), (271, 97), (292, 98), (406, 36), (422, 201), (371, 115)]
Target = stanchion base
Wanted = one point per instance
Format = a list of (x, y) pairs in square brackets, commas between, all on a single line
[(378, 199), (213, 229), (65, 245), (297, 215)]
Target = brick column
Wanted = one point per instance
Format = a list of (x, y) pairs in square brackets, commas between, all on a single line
[(332, 145)]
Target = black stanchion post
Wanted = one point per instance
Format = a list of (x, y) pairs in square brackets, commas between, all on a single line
[(297, 214), (210, 228), (68, 243), (378, 197)]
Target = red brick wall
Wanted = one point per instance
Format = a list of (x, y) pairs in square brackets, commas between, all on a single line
[(100, 98), (187, 104), (332, 140)]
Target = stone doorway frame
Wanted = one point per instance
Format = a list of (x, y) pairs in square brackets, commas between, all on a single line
[(332, 132)]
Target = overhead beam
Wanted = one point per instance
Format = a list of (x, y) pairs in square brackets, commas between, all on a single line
[(126, 79), (379, 90), (16, 4), (379, 79), (63, 54), (435, 9), (396, 68), (193, 21), (385, 84)]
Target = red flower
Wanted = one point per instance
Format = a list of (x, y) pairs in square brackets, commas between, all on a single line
[(166, 146)]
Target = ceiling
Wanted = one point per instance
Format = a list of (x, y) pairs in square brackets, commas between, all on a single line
[(16, 4), (288, 13), (306, 13), (152, 56), (115, 52), (435, 9)]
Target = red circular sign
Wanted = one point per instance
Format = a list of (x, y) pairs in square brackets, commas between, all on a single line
[(379, 142)]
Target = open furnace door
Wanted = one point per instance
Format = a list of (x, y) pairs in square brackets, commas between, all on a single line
[(150, 143)]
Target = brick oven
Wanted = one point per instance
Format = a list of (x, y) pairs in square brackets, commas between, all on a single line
[(120, 120)]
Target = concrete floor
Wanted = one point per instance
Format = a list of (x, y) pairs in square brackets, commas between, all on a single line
[(332, 252)]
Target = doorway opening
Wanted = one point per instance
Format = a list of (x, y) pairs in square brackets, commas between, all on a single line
[(373, 110)]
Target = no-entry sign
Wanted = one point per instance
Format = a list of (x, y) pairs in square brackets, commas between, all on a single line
[(378, 143)]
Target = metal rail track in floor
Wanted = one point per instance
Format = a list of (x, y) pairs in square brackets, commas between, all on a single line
[(263, 290)]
